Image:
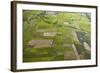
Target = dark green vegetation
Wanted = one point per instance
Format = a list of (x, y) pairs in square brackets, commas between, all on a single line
[(53, 36)]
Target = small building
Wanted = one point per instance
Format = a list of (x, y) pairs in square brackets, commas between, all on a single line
[(47, 32), (43, 43)]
